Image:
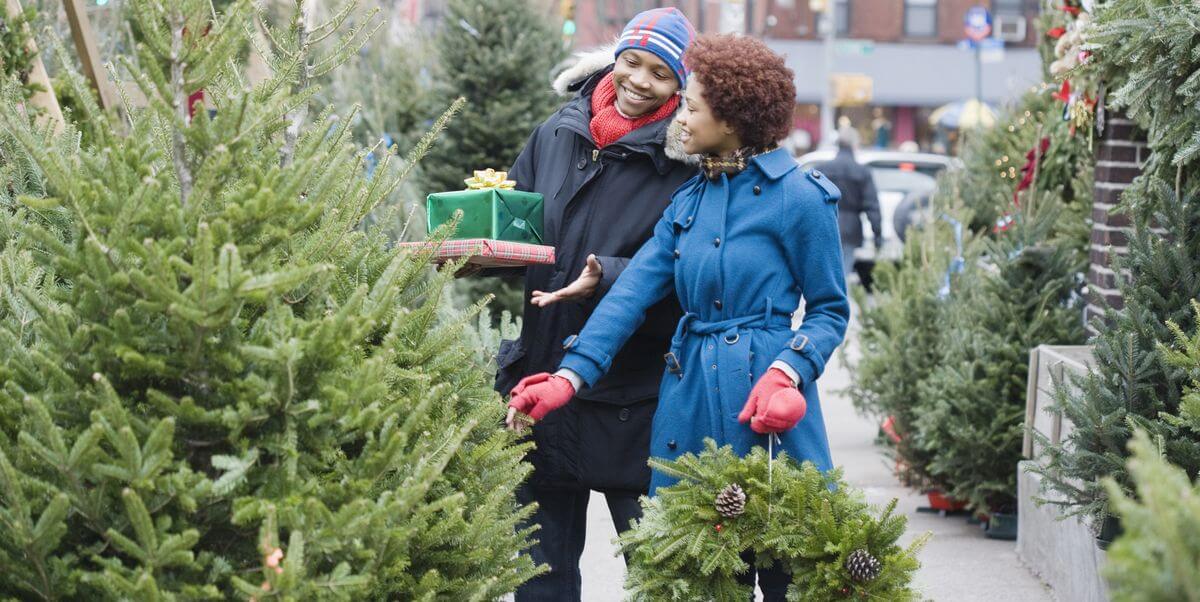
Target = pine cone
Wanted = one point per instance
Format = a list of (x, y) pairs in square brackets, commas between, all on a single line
[(731, 502), (862, 566)]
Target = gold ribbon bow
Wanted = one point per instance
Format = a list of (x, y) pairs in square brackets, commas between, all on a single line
[(488, 179)]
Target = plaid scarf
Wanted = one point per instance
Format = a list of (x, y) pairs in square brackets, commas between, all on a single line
[(732, 165)]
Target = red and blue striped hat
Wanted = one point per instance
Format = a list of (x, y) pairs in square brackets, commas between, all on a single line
[(664, 31)]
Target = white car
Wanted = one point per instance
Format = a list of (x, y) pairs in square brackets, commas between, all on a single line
[(904, 182)]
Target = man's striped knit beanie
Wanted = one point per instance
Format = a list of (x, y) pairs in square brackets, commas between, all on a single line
[(664, 31)]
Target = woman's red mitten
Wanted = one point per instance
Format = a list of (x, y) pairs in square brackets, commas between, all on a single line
[(775, 404), (541, 394)]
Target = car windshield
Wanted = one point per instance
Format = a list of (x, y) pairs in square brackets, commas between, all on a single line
[(899, 180)]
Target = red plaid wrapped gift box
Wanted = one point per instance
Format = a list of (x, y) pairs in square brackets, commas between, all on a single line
[(487, 252)]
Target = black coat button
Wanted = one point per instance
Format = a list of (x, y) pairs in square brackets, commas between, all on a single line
[(623, 415), (671, 444), (716, 242), (758, 190), (717, 303), (582, 163), (676, 253)]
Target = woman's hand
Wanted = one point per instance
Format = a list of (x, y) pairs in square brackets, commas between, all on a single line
[(775, 404), (537, 396), (583, 287)]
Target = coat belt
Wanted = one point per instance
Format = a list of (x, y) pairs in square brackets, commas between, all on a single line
[(691, 325)]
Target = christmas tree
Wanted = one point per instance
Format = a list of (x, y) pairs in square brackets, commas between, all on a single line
[(1155, 558), (922, 333), (1020, 290), (1129, 385), (387, 79), (16, 51), (690, 541), (900, 341), (214, 384), (498, 54), (1143, 50)]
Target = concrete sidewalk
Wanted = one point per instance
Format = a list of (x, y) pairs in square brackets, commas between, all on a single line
[(958, 564)]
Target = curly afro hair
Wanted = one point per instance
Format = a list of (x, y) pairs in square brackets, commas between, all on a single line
[(746, 85)]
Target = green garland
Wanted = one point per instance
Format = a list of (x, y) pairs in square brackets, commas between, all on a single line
[(811, 522), (1145, 50)]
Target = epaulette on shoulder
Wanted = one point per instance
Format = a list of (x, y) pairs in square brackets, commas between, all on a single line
[(828, 188)]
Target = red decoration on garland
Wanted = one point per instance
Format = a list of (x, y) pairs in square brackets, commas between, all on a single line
[(1056, 32), (1064, 93), (1032, 158), (718, 527), (1071, 10)]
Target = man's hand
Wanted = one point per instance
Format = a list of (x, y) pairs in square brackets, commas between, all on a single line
[(583, 287)]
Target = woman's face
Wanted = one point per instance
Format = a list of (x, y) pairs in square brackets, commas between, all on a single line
[(644, 82), (703, 133)]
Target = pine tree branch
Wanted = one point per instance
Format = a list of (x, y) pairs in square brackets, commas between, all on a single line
[(297, 117), (179, 102), (323, 31)]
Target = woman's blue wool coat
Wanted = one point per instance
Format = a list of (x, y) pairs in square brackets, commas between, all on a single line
[(740, 253)]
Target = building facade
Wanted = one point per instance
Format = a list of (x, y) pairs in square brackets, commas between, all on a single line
[(906, 52)]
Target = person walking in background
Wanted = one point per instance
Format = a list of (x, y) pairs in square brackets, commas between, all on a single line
[(740, 244), (858, 197), (882, 128), (606, 164)]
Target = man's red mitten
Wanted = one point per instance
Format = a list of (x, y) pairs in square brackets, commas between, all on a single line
[(541, 394), (775, 404)]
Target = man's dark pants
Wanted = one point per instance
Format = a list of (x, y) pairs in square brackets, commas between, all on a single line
[(583, 446)]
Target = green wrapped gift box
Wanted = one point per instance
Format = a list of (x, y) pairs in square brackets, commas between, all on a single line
[(497, 214)]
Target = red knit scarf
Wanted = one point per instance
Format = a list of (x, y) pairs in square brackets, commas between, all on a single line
[(608, 125)]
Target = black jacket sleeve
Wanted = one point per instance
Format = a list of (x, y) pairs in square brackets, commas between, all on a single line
[(870, 204)]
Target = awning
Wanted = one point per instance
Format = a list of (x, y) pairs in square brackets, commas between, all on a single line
[(963, 115), (923, 75)]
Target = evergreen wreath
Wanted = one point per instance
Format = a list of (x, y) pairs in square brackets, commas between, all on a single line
[(823, 532)]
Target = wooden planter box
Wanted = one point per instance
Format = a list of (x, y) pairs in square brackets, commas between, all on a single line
[(1062, 551)]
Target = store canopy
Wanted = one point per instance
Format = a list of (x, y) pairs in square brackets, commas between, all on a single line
[(963, 115), (921, 75)]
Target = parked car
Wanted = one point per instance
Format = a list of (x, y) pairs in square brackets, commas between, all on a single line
[(905, 182)]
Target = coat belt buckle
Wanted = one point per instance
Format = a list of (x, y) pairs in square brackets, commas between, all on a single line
[(803, 342), (673, 364)]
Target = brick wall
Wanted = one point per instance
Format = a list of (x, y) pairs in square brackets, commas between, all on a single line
[(1120, 154), (881, 21)]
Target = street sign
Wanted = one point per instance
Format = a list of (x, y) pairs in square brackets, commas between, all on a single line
[(991, 50), (978, 23), (854, 47)]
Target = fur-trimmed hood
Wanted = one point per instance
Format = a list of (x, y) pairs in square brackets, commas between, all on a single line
[(590, 62)]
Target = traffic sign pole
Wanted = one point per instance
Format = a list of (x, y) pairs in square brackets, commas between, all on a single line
[(978, 25)]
